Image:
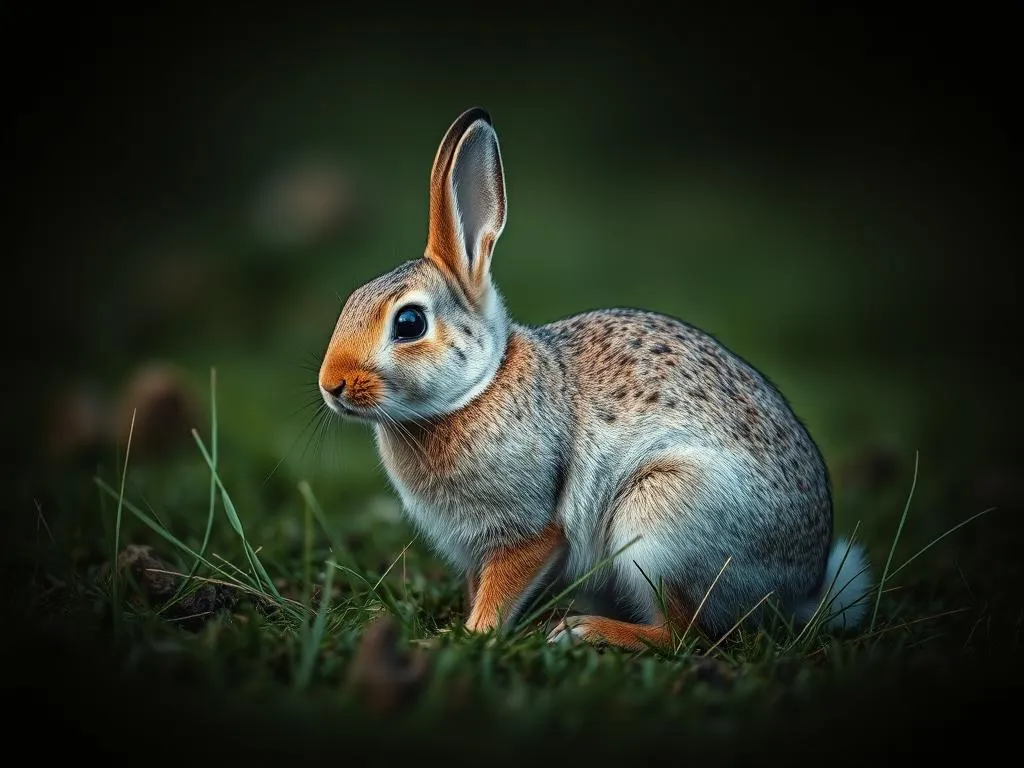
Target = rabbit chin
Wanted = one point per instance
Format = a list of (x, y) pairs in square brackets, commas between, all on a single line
[(348, 411)]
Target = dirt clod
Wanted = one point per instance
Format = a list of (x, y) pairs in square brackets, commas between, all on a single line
[(159, 580), (385, 676)]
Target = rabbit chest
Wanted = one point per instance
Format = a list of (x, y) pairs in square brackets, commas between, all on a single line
[(486, 475), (470, 490)]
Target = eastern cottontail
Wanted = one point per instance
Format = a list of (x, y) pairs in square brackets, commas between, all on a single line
[(527, 455)]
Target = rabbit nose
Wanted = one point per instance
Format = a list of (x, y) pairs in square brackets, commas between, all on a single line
[(337, 389)]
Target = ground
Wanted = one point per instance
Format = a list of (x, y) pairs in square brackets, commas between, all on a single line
[(314, 618)]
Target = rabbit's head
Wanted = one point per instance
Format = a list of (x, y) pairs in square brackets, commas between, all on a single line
[(424, 339)]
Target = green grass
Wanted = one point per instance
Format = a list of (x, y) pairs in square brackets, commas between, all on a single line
[(277, 636)]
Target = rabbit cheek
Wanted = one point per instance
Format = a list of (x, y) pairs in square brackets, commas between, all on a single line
[(424, 356)]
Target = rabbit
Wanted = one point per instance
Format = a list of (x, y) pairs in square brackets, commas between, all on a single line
[(529, 456)]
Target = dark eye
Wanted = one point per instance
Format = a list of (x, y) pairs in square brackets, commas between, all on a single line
[(410, 324)]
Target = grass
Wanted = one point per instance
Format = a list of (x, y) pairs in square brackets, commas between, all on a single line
[(282, 633), (115, 595)]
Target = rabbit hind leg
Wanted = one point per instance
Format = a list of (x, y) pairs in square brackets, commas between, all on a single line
[(645, 510)]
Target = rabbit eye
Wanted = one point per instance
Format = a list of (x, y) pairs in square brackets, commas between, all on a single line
[(410, 324)]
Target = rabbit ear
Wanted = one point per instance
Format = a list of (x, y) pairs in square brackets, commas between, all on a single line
[(467, 201)]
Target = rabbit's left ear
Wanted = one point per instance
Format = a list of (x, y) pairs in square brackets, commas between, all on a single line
[(467, 201)]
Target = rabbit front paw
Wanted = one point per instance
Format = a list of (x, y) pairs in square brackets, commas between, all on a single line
[(573, 628)]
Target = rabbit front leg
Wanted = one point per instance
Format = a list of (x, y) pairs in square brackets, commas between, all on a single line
[(510, 575)]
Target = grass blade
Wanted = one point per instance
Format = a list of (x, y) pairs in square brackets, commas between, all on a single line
[(315, 637), (693, 619), (253, 586), (307, 555), (236, 523), (388, 599), (114, 570), (937, 539), (733, 628), (167, 535), (892, 549), (533, 616), (213, 486), (336, 546)]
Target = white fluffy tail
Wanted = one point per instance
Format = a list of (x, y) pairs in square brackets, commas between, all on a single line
[(843, 598)]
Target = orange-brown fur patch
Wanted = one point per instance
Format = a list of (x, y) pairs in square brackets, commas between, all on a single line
[(482, 264), (336, 368), (357, 339), (443, 243), (433, 350), (363, 388), (633, 637), (443, 246), (506, 574), (351, 347)]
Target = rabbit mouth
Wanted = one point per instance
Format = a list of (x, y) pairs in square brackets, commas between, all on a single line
[(348, 412)]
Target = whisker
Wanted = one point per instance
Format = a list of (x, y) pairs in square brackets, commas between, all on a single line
[(332, 441), (313, 425), (316, 431), (415, 417), (324, 431), (308, 424), (402, 433), (403, 427), (339, 443), (303, 407), (309, 361)]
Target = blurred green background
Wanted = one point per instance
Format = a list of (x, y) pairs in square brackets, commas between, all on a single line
[(827, 197), (833, 198)]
